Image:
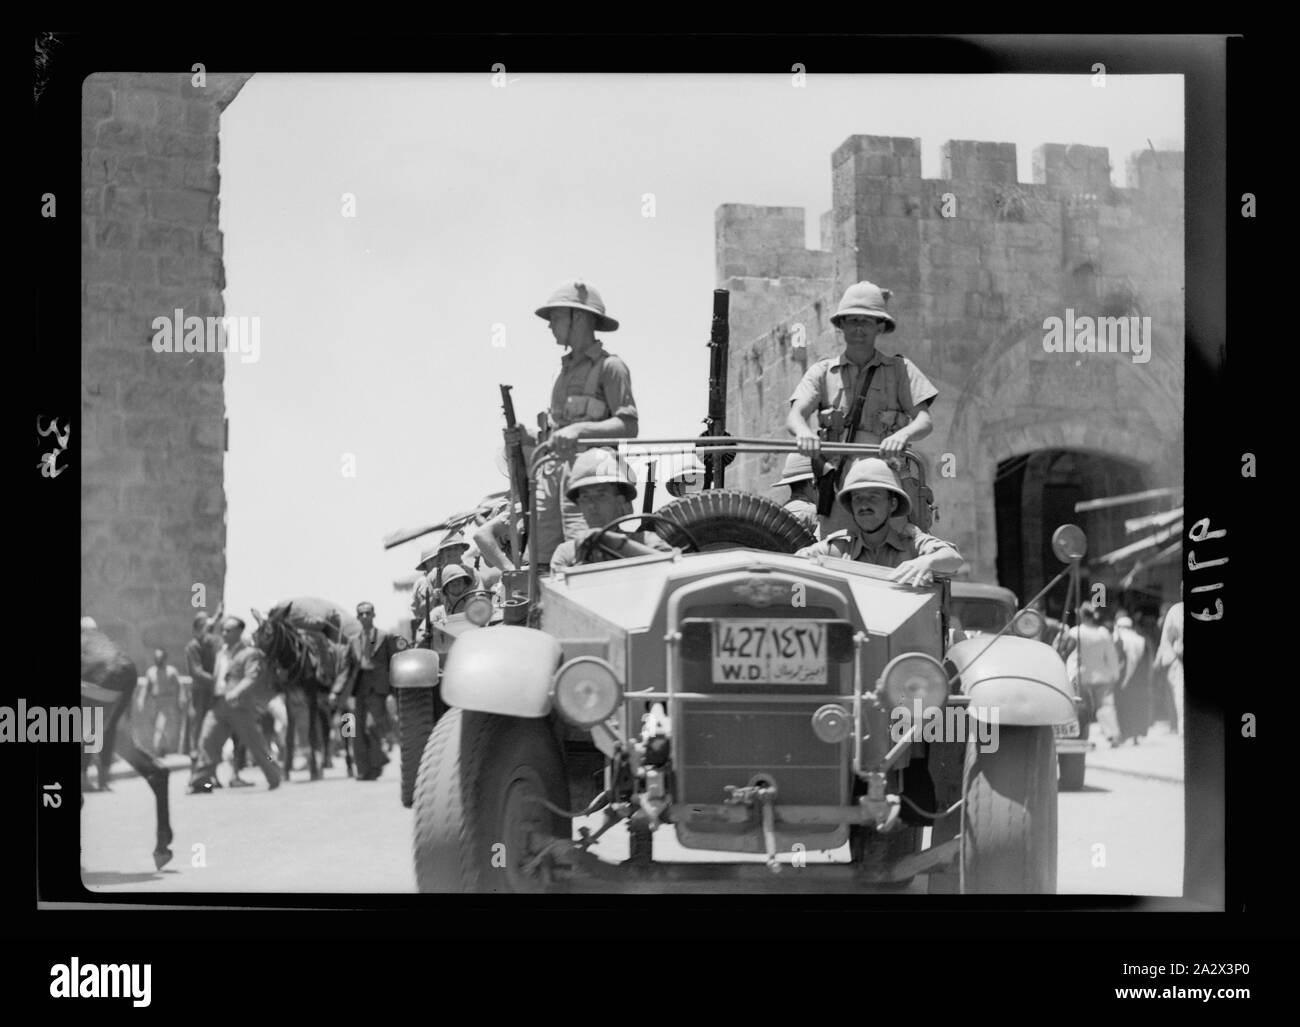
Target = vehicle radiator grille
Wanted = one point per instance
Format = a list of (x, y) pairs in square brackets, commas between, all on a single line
[(727, 743)]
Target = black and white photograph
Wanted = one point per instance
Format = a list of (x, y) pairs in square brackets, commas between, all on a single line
[(538, 482)]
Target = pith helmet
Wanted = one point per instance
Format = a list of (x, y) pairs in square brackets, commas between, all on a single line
[(451, 540), (427, 557), (873, 473), (686, 473), (865, 298), (579, 295), (455, 571), (598, 466), (797, 468)]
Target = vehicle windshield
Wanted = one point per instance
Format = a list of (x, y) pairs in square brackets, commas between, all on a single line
[(986, 615)]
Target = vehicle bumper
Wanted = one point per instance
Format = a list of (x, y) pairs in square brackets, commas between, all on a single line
[(580, 871)]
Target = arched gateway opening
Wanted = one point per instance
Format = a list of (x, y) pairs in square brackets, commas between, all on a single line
[(1036, 492)]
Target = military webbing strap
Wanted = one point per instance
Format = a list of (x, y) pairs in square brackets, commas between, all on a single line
[(851, 425)]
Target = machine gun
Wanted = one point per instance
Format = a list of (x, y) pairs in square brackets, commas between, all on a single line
[(716, 422)]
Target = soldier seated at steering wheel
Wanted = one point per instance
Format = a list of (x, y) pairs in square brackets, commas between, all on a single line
[(603, 487)]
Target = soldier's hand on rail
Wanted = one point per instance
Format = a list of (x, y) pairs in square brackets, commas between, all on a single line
[(809, 444), (893, 445), (564, 442), (916, 573)]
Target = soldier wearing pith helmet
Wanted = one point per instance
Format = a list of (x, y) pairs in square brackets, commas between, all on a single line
[(898, 396), (870, 496), (591, 398), (802, 504)]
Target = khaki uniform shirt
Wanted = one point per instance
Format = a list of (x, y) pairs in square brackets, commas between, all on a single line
[(897, 392), (898, 546), (610, 393)]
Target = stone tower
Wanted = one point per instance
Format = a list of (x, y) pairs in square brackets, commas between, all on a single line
[(977, 261), (152, 424)]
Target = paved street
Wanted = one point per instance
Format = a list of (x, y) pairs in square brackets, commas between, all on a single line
[(1123, 834)]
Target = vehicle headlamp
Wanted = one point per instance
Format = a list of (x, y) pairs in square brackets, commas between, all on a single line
[(1028, 624), (478, 609), (586, 691), (914, 676)]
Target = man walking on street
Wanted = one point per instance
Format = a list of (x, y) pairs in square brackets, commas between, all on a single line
[(245, 683), (200, 661), (375, 648), (163, 685), (1169, 657), (1095, 667), (1133, 697)]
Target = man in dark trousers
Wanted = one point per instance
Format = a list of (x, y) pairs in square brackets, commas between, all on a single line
[(245, 683), (375, 648), (200, 660)]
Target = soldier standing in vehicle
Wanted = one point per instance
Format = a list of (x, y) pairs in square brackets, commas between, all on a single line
[(603, 487), (896, 407), (591, 398), (798, 475), (872, 494)]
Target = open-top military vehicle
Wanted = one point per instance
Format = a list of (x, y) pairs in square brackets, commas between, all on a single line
[(745, 700)]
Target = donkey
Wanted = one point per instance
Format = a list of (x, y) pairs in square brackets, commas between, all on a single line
[(108, 680), (320, 667)]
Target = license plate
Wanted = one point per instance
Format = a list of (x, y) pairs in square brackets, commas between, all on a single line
[(769, 652), (1070, 730)]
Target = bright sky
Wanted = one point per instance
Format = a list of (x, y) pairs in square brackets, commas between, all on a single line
[(472, 203)]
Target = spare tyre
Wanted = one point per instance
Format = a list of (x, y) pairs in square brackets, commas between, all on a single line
[(732, 519)]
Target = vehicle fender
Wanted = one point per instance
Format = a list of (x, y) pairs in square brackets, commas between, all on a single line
[(506, 670), (1022, 679), (413, 668)]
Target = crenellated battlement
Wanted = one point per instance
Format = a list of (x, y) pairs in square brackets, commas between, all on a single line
[(977, 260)]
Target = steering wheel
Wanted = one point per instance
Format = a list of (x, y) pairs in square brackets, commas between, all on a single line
[(464, 598), (597, 540)]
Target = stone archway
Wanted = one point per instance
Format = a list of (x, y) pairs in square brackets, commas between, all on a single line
[(1019, 400)]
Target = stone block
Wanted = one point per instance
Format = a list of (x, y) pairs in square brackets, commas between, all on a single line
[(96, 99), (188, 206), (164, 143), (127, 203), (114, 235), (114, 135), (202, 175)]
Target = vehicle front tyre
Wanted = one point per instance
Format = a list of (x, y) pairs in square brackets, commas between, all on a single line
[(1073, 766), (476, 825), (415, 717), (1009, 814)]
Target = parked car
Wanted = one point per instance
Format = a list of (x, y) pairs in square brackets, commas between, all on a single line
[(982, 609), (747, 701)]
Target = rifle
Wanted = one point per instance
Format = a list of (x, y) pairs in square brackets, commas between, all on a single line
[(716, 422), (518, 475), (648, 500), (830, 472)]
